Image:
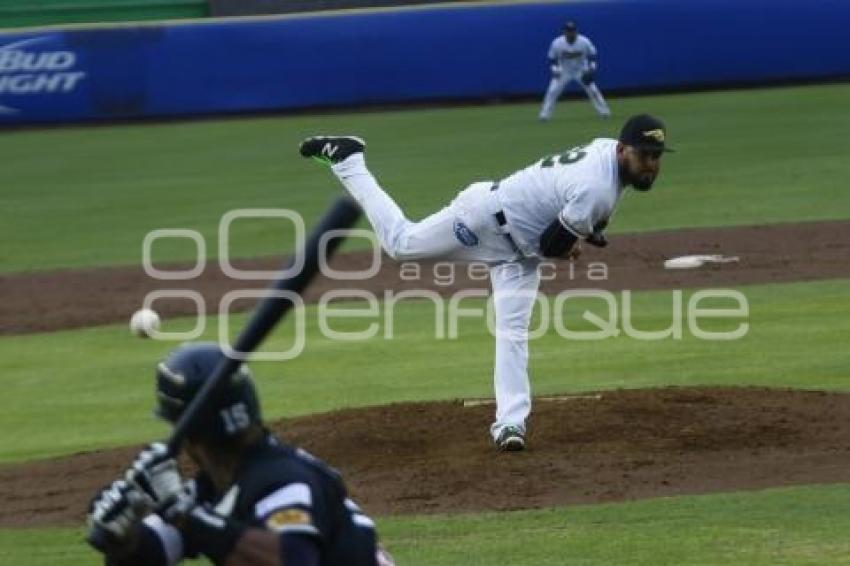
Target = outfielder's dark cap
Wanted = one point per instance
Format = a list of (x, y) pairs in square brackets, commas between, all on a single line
[(645, 132), (570, 26)]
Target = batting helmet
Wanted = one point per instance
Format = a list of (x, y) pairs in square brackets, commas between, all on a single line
[(182, 374)]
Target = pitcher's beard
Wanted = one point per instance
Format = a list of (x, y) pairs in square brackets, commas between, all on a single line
[(643, 183)]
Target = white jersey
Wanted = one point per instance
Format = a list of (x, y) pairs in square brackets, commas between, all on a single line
[(572, 57), (580, 187)]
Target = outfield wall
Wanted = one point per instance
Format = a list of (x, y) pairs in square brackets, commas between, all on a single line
[(390, 56)]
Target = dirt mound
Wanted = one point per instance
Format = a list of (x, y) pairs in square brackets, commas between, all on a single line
[(436, 457), (45, 301)]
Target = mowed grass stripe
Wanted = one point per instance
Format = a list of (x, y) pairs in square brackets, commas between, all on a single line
[(782, 526), (85, 389), (81, 197), (789, 526)]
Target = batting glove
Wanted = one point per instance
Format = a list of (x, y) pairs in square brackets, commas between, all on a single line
[(118, 510), (154, 472), (202, 527), (179, 505), (383, 557)]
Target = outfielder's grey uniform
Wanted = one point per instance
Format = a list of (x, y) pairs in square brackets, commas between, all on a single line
[(572, 61), (580, 187)]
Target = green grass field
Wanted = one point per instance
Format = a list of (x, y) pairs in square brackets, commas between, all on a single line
[(75, 197), (805, 525), (105, 399), (85, 197)]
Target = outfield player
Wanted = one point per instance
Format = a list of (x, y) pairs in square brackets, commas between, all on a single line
[(255, 501), (572, 57), (540, 211)]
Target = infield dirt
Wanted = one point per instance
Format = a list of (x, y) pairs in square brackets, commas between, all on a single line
[(54, 300), (437, 457)]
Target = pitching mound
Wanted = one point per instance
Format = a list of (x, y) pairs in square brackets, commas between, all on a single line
[(436, 457)]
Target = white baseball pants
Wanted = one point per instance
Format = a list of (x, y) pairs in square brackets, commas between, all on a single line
[(466, 230), (557, 86)]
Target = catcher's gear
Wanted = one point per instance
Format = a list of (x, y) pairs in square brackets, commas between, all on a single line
[(588, 77), (118, 510), (182, 374), (154, 472)]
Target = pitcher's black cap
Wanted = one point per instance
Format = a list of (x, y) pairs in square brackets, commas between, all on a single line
[(645, 132)]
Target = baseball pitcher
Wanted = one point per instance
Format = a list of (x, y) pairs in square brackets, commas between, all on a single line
[(542, 211), (572, 57)]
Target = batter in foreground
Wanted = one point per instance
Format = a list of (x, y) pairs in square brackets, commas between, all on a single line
[(255, 500), (542, 211)]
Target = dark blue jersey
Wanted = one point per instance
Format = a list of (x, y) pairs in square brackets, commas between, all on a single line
[(280, 489), (288, 491)]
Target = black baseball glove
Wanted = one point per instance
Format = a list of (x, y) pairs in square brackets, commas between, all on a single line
[(597, 239), (588, 77)]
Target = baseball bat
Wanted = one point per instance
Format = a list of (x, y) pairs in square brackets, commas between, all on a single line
[(341, 215)]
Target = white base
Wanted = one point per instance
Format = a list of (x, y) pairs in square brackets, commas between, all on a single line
[(692, 261)]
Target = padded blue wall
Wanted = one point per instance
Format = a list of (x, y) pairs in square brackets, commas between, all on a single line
[(406, 55)]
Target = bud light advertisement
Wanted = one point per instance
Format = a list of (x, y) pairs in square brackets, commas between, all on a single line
[(37, 73)]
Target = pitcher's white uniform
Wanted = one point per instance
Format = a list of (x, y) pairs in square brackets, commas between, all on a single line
[(571, 61), (581, 187)]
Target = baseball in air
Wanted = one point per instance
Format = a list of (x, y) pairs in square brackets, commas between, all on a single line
[(144, 323)]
